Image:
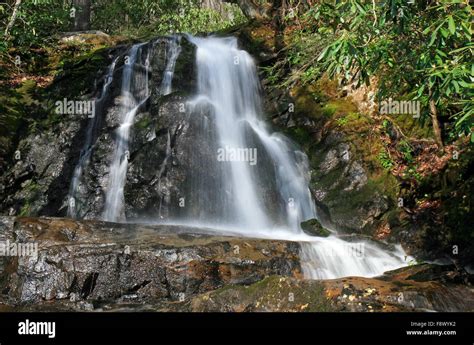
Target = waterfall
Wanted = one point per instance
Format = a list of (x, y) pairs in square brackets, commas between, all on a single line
[(134, 94), (228, 85), (331, 257), (250, 181), (73, 197), (174, 49), (225, 80)]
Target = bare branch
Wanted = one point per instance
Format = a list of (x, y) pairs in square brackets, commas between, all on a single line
[(13, 18)]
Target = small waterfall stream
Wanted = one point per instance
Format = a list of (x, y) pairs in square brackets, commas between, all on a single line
[(73, 199), (134, 94), (174, 49)]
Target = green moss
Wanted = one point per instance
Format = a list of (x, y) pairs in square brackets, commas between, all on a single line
[(309, 102), (330, 179), (277, 293), (25, 91), (25, 210), (342, 121), (384, 184), (301, 135), (329, 110), (320, 102), (339, 107), (393, 217), (80, 70), (14, 113), (143, 123), (365, 143), (32, 192), (313, 227), (317, 104), (257, 36), (412, 127)]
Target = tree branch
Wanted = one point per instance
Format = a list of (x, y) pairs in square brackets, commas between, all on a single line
[(13, 18)]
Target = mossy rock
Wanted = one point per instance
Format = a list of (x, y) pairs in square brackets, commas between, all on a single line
[(312, 227), (274, 293)]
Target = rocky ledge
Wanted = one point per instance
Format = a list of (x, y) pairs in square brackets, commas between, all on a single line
[(98, 266), (97, 261)]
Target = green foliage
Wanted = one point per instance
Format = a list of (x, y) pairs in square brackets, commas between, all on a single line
[(421, 50), (35, 25), (385, 160), (342, 121), (411, 172), (405, 148), (39, 22), (152, 17)]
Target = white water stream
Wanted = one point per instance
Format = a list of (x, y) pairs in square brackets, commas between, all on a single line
[(174, 49), (134, 94), (73, 207)]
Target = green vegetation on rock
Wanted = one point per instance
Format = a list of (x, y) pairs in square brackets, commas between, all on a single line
[(314, 228)]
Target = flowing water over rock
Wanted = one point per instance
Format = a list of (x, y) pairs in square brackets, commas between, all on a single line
[(218, 165), (88, 144), (331, 257), (172, 54), (229, 85), (134, 95)]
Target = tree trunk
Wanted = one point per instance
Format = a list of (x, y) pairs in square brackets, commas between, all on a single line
[(82, 19), (435, 121), (13, 18)]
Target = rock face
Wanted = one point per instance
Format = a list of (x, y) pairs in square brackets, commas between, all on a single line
[(340, 186), (162, 144), (38, 177), (401, 290), (274, 293), (417, 288), (340, 181), (95, 262), (97, 266), (165, 136), (170, 150)]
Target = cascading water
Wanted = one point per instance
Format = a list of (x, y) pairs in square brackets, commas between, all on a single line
[(86, 152), (225, 81), (174, 49), (134, 94), (229, 85), (255, 183), (331, 257)]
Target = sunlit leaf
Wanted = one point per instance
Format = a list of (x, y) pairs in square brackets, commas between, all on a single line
[(451, 25)]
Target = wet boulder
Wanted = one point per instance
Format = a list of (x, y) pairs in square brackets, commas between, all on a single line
[(313, 227), (97, 262)]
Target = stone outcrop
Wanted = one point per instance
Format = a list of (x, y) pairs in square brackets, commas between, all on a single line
[(313, 227), (403, 290), (98, 266), (95, 262)]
